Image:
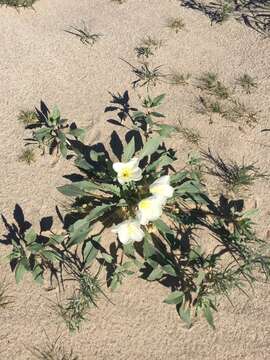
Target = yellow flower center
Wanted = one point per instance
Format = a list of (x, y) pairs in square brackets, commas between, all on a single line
[(158, 189), (130, 229), (126, 173), (145, 204)]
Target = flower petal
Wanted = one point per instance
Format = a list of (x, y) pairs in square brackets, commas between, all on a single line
[(137, 174), (118, 166), (133, 163)]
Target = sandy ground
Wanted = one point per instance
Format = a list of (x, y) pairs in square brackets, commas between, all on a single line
[(38, 60)]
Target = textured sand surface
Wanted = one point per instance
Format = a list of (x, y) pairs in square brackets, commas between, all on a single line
[(38, 60)]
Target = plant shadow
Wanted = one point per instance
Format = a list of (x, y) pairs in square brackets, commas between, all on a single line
[(253, 13)]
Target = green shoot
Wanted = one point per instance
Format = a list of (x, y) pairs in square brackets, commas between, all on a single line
[(247, 83), (175, 24), (27, 156)]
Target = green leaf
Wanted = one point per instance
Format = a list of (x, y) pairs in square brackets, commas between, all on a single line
[(129, 249), (185, 316), (200, 277), (115, 282), (138, 114), (157, 114), (176, 297), (79, 231), (20, 271), (62, 137), (98, 211), (195, 253), (113, 189), (168, 269), (162, 161), (78, 133), (41, 134), (148, 249), (55, 113), (38, 274), (165, 231), (151, 146), (56, 239), (63, 149), (249, 213), (79, 188), (35, 248), (208, 315), (178, 177), (156, 274), (90, 250), (188, 187), (129, 150), (165, 130), (51, 255), (108, 258), (158, 100), (81, 163), (30, 236), (152, 263)]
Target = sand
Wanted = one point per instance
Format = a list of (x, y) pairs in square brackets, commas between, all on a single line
[(38, 60)]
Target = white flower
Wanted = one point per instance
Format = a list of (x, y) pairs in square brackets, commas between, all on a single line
[(150, 209), (129, 231), (128, 171), (162, 188)]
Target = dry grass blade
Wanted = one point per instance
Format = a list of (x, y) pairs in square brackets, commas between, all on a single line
[(28, 117), (190, 135), (145, 75), (234, 176), (238, 111), (177, 78), (210, 83), (84, 34), (18, 3), (175, 24), (27, 156), (152, 42), (247, 83), (53, 350)]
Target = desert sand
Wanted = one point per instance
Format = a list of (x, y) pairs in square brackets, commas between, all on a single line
[(39, 60)]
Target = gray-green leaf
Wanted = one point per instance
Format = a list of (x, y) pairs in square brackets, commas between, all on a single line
[(176, 297)]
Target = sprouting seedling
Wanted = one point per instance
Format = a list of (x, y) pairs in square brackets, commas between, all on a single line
[(234, 176), (152, 43), (143, 51), (28, 117), (27, 156), (209, 82), (84, 34), (223, 13), (53, 350), (18, 3), (190, 135), (196, 165), (148, 46), (53, 132), (247, 83), (76, 308), (146, 75), (177, 78), (238, 111), (175, 24), (208, 106)]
